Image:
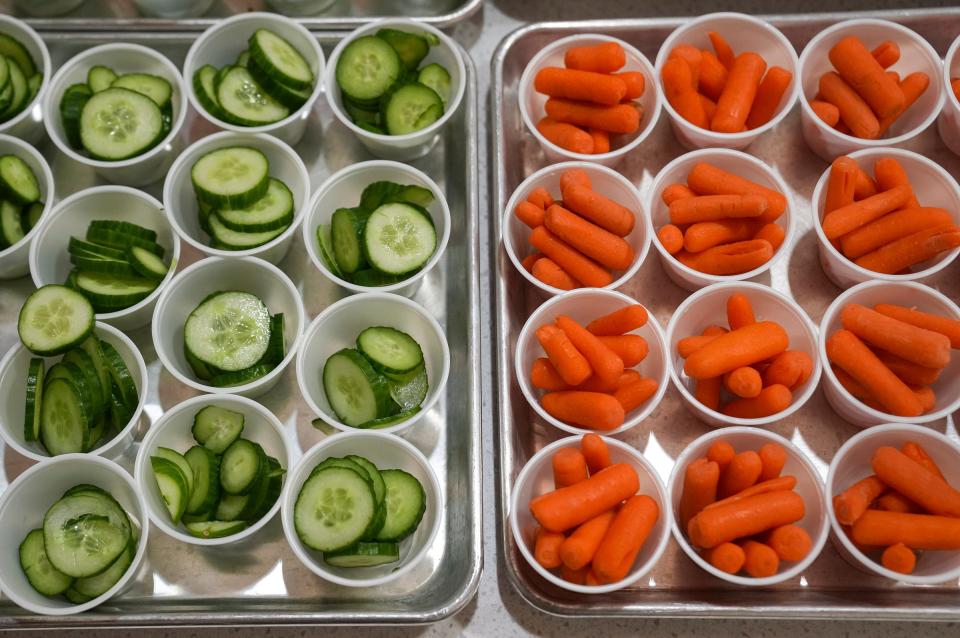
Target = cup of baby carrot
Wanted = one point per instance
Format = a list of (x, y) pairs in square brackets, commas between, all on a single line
[(894, 505), (888, 214), (890, 353), (589, 97), (727, 78), (590, 514), (949, 121), (867, 83), (748, 506)]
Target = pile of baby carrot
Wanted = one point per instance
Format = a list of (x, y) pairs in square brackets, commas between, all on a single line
[(904, 507), (739, 510), (888, 356), (750, 361), (878, 223), (861, 97), (580, 239), (722, 92), (587, 372), (589, 99), (593, 525), (721, 223)]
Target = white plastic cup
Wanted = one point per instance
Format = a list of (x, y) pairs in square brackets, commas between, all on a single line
[(14, 260), (933, 186), (851, 463), (809, 487), (708, 307), (28, 124), (916, 54), (13, 378), (26, 500), (901, 293), (739, 163), (343, 189), (197, 281), (122, 57), (173, 430), (608, 183), (180, 199), (50, 259), (386, 452), (338, 326), (949, 121), (532, 103), (745, 33), (536, 478), (173, 9), (583, 306), (412, 145), (221, 44)]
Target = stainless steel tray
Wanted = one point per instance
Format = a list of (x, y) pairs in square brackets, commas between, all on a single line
[(343, 14), (262, 582), (676, 587)]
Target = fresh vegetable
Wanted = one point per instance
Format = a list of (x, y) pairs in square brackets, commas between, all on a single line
[(19, 78), (569, 467)]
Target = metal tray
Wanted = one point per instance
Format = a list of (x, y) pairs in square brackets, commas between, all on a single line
[(343, 14), (261, 582), (676, 587)]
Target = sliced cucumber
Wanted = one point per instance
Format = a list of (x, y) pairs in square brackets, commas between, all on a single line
[(216, 428), (42, 576), (31, 412), (76, 597), (406, 503), (118, 124), (204, 87), (379, 491), (290, 97), (411, 48), (244, 58), (201, 369), (387, 421), (128, 228), (91, 379), (243, 464), (231, 506), (95, 433), (206, 479), (232, 177), (228, 239), (228, 330), (109, 293), (437, 78), (356, 392), (91, 345), (180, 461), (359, 114), (272, 211), (215, 529), (99, 265), (17, 181), (20, 91), (6, 93), (280, 59), (154, 87), (346, 230), (391, 351), (84, 533), (78, 246), (14, 49), (325, 242), (11, 224), (240, 377), (376, 194), (172, 485), (334, 508), (71, 106), (54, 319), (367, 68), (276, 347), (410, 393), (364, 554), (245, 102), (73, 374), (411, 108), (120, 375), (372, 278), (30, 216), (146, 264), (198, 518), (121, 240), (99, 78), (399, 238), (33, 87), (63, 422), (100, 584)]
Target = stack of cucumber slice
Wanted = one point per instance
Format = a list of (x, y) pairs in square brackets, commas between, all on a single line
[(383, 89), (116, 265), (239, 205), (114, 117), (387, 238), (20, 205), (231, 339), (86, 545), (20, 79), (266, 83), (357, 514), (223, 484), (89, 394), (381, 382)]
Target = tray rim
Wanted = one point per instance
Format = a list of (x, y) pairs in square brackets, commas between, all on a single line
[(511, 561)]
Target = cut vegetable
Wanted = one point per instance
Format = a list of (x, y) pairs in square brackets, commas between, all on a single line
[(357, 393), (54, 319), (232, 177), (334, 508), (399, 238), (228, 330), (216, 428), (118, 124)]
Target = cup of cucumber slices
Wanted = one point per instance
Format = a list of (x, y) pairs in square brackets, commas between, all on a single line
[(228, 325), (395, 83), (406, 238), (256, 72), (118, 108), (24, 81), (51, 514), (26, 194), (212, 469), (384, 527)]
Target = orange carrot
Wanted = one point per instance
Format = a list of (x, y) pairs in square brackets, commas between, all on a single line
[(713, 207), (729, 259), (895, 502), (622, 118), (707, 392), (575, 576), (671, 238), (856, 499), (700, 481), (841, 184), (889, 173), (847, 218), (745, 517), (634, 81), (570, 506), (626, 535), (679, 90), (573, 176), (739, 311), (619, 322), (703, 235), (773, 457), (721, 453), (914, 481), (605, 57), (779, 484), (572, 366), (743, 471), (530, 260), (769, 95), (713, 76), (581, 546), (917, 531), (592, 580), (547, 271), (890, 228), (772, 233), (737, 348), (946, 326), (854, 111), (596, 452), (790, 542), (886, 54), (689, 345), (826, 111), (846, 351), (739, 93), (569, 467), (919, 345), (709, 107), (566, 135), (918, 454), (760, 560), (632, 349), (912, 249), (602, 246), (634, 395), (547, 548), (899, 558), (722, 48), (593, 384), (791, 368), (707, 179), (544, 376), (693, 57), (594, 410), (907, 371), (865, 186), (540, 197), (676, 191), (771, 400), (727, 557), (744, 382), (602, 211), (912, 87), (714, 331), (572, 84), (601, 140), (856, 65), (581, 268), (604, 362), (529, 214)]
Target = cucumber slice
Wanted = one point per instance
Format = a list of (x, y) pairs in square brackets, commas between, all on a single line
[(128, 228), (71, 106), (73, 374), (99, 265), (30, 216), (280, 59), (146, 264), (204, 87), (228, 330), (379, 486), (110, 293), (54, 319), (290, 97), (63, 422), (172, 485), (95, 433), (6, 93), (118, 124), (272, 211), (334, 508), (91, 346), (244, 102), (206, 479), (20, 91), (373, 128), (100, 78), (410, 393), (406, 503), (91, 379), (364, 554), (154, 87), (437, 78), (181, 462), (200, 369), (17, 181), (399, 238), (359, 114), (373, 278), (243, 464), (232, 177), (76, 597), (216, 428), (11, 223), (243, 59), (411, 108), (100, 584), (215, 529), (120, 375), (121, 240), (42, 576), (387, 421), (231, 506), (274, 488), (228, 239), (197, 518), (411, 48), (276, 348), (367, 68), (31, 412), (240, 377), (14, 49), (356, 392), (78, 246), (118, 412), (376, 194), (33, 87), (346, 231), (325, 242), (391, 351), (84, 533)]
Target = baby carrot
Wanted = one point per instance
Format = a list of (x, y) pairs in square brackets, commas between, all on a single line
[(773, 457), (573, 176), (547, 548), (743, 382), (847, 218), (826, 111), (634, 81), (575, 576), (727, 557), (689, 345), (865, 186), (886, 54), (737, 348), (574, 263), (771, 400), (914, 481), (722, 48), (604, 362), (779, 484), (547, 271), (568, 361), (891, 227), (739, 93), (626, 535), (570, 506), (707, 179), (545, 377), (919, 345), (605, 57), (895, 502), (856, 65), (601, 140), (917, 531), (635, 394), (593, 384), (899, 558), (679, 90), (709, 107), (854, 501), (596, 452), (621, 118), (791, 368), (602, 211), (592, 580), (907, 371), (790, 542), (713, 207), (721, 452), (773, 233), (854, 111), (889, 173), (693, 57), (912, 249), (769, 95), (530, 214), (671, 238), (540, 197), (601, 245), (918, 454), (841, 184), (707, 392), (703, 235), (700, 481), (745, 517), (566, 135), (569, 467), (580, 547), (713, 75), (530, 260), (632, 349), (619, 322), (572, 84), (761, 560), (739, 311), (846, 351), (593, 410), (676, 191), (743, 471), (912, 87), (714, 331), (946, 326)]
